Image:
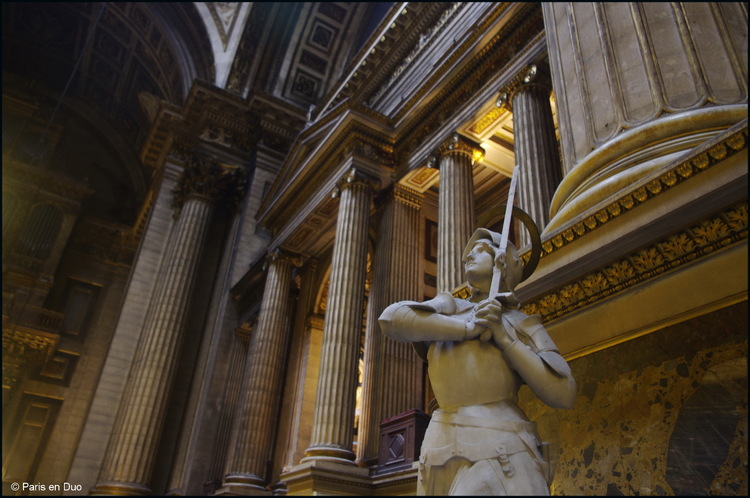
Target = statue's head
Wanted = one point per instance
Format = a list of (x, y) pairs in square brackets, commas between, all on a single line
[(513, 269)]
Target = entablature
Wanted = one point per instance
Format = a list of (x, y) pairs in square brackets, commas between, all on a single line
[(320, 157)]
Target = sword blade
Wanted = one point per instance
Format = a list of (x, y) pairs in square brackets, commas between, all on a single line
[(497, 273)]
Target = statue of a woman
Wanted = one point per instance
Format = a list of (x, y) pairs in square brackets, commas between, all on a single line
[(480, 351)]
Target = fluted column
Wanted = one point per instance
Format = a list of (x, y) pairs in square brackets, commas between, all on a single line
[(255, 427), (135, 439), (230, 407), (455, 208), (535, 148), (332, 434), (392, 374), (638, 84)]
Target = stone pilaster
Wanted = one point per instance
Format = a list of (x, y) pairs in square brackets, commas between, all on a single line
[(535, 147), (392, 374), (129, 460), (255, 428), (455, 208), (332, 434)]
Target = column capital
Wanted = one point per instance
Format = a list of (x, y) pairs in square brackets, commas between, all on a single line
[(408, 196), (244, 331), (277, 255), (531, 76), (400, 193), (458, 144), (354, 177), (207, 178)]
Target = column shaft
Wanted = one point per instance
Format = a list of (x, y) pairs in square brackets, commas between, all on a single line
[(638, 84), (392, 375), (130, 457), (332, 434), (455, 217), (230, 409), (256, 425), (536, 153)]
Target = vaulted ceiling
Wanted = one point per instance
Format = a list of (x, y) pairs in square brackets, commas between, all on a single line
[(81, 81)]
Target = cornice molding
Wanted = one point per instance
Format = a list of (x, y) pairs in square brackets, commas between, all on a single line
[(354, 138), (209, 115), (477, 64), (501, 51), (714, 233)]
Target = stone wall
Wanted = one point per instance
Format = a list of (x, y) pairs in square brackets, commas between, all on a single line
[(664, 414)]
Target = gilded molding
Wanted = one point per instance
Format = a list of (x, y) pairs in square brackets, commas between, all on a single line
[(703, 158), (712, 234), (493, 115)]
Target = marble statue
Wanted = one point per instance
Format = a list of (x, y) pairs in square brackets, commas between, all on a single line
[(479, 352)]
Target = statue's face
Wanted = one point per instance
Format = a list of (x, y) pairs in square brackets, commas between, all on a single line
[(479, 264)]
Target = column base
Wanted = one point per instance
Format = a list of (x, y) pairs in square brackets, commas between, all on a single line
[(108, 488), (326, 477), (242, 485), (329, 454)]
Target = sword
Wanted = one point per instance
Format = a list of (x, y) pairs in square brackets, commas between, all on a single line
[(497, 273)]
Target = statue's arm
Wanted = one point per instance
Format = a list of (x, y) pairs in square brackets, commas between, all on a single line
[(402, 322), (546, 372), (529, 350)]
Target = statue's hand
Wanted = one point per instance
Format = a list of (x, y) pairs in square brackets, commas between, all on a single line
[(488, 314), (473, 329)]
